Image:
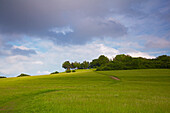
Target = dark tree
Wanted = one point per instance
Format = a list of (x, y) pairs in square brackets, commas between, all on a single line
[(66, 65), (73, 66), (94, 63), (102, 60), (122, 62), (163, 58), (56, 72), (76, 65), (123, 58), (23, 75), (85, 65), (3, 77)]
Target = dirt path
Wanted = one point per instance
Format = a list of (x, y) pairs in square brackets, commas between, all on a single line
[(114, 78)]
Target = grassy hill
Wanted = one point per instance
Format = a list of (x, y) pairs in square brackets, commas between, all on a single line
[(87, 91)]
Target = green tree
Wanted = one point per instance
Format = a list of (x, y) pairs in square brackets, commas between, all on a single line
[(73, 66), (123, 58), (85, 65), (22, 75), (163, 58), (102, 60), (94, 63), (76, 65), (66, 65)]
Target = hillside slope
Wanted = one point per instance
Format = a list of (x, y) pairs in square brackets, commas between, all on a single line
[(144, 91)]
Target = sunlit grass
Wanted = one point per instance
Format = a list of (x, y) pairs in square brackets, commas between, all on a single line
[(87, 91)]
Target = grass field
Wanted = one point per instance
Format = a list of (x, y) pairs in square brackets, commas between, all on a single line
[(87, 91)]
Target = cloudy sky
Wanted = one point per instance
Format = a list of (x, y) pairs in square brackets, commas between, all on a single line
[(37, 36)]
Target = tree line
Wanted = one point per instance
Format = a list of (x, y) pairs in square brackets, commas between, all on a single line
[(120, 62), (75, 65)]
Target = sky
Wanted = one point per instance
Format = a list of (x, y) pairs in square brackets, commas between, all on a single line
[(37, 36)]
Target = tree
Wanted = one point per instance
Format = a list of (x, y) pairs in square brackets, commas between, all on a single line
[(94, 63), (23, 75), (102, 60), (73, 66), (3, 77), (123, 58), (121, 62), (66, 65), (163, 58), (76, 65), (85, 65), (56, 72)]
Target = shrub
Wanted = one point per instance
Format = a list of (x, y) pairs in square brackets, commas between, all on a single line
[(2, 77), (73, 70), (23, 75), (56, 72), (68, 71)]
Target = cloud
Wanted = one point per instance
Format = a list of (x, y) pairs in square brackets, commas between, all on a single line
[(41, 34), (44, 72), (63, 30), (158, 43), (135, 53), (36, 17), (45, 62), (101, 28), (88, 29), (38, 62), (140, 54), (20, 47), (18, 51), (79, 22), (86, 17), (9, 50)]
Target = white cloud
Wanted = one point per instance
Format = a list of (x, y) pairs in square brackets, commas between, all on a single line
[(51, 60), (156, 42), (43, 72), (38, 62), (108, 51), (20, 47), (140, 54), (63, 30), (135, 53)]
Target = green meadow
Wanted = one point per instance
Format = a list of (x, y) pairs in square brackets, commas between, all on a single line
[(88, 91)]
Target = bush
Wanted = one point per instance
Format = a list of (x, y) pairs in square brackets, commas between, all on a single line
[(23, 75), (56, 72), (2, 77), (73, 70), (68, 71)]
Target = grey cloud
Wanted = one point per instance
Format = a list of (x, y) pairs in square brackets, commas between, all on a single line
[(88, 18), (152, 42), (90, 28), (36, 17), (18, 51), (6, 49), (9, 51), (158, 44), (101, 28), (98, 28)]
